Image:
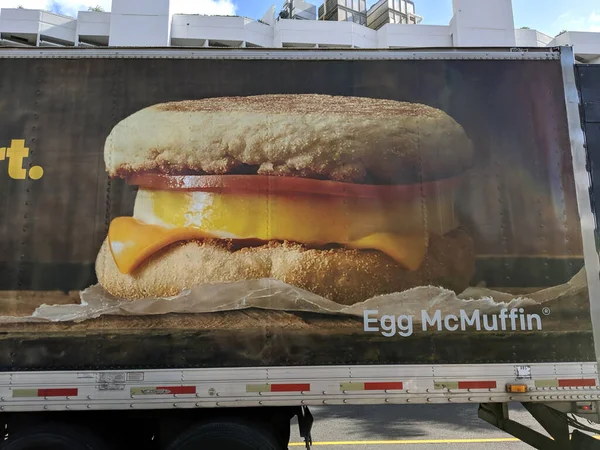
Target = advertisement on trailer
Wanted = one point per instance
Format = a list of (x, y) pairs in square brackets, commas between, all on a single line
[(245, 212)]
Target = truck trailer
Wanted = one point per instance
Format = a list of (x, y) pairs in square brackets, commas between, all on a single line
[(198, 245)]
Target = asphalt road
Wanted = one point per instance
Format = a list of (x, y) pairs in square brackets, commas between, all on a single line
[(418, 427)]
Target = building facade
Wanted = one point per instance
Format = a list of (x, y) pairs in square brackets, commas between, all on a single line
[(475, 23), (299, 10), (344, 11), (392, 11)]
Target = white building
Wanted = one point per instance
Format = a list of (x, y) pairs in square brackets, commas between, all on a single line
[(475, 23)]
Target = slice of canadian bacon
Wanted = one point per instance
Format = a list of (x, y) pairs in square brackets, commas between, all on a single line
[(265, 184)]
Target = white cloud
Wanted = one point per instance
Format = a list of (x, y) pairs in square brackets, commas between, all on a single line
[(594, 22), (71, 7), (571, 22)]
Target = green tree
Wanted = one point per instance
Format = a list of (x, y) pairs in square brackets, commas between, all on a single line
[(97, 8)]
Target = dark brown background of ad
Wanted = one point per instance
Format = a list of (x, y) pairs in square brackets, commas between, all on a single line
[(518, 204)]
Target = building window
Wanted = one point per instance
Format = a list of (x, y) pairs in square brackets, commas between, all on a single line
[(410, 8)]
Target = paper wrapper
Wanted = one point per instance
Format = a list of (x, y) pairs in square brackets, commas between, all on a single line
[(272, 294)]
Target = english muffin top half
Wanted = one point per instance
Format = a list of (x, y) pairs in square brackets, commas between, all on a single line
[(348, 139)]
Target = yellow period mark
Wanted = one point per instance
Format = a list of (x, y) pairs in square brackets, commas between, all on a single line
[(36, 172)]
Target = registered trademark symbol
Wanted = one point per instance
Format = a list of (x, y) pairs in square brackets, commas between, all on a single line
[(546, 311)]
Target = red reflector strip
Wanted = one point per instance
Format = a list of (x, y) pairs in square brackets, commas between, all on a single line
[(290, 387), (64, 392), (577, 383), (384, 386), (476, 385), (173, 390)]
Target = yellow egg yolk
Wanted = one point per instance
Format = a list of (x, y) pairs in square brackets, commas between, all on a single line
[(398, 228)]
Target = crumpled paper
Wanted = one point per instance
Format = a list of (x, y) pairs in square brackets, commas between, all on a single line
[(273, 294)]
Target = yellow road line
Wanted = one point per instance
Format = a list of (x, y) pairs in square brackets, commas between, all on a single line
[(412, 441)]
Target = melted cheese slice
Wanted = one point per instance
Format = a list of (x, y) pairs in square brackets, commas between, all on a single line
[(399, 229)]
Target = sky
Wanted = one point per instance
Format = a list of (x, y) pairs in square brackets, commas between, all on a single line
[(548, 16)]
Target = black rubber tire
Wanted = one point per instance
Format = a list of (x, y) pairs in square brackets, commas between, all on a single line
[(225, 436), (53, 437)]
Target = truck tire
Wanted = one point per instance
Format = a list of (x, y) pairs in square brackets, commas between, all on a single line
[(226, 435), (53, 437)]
